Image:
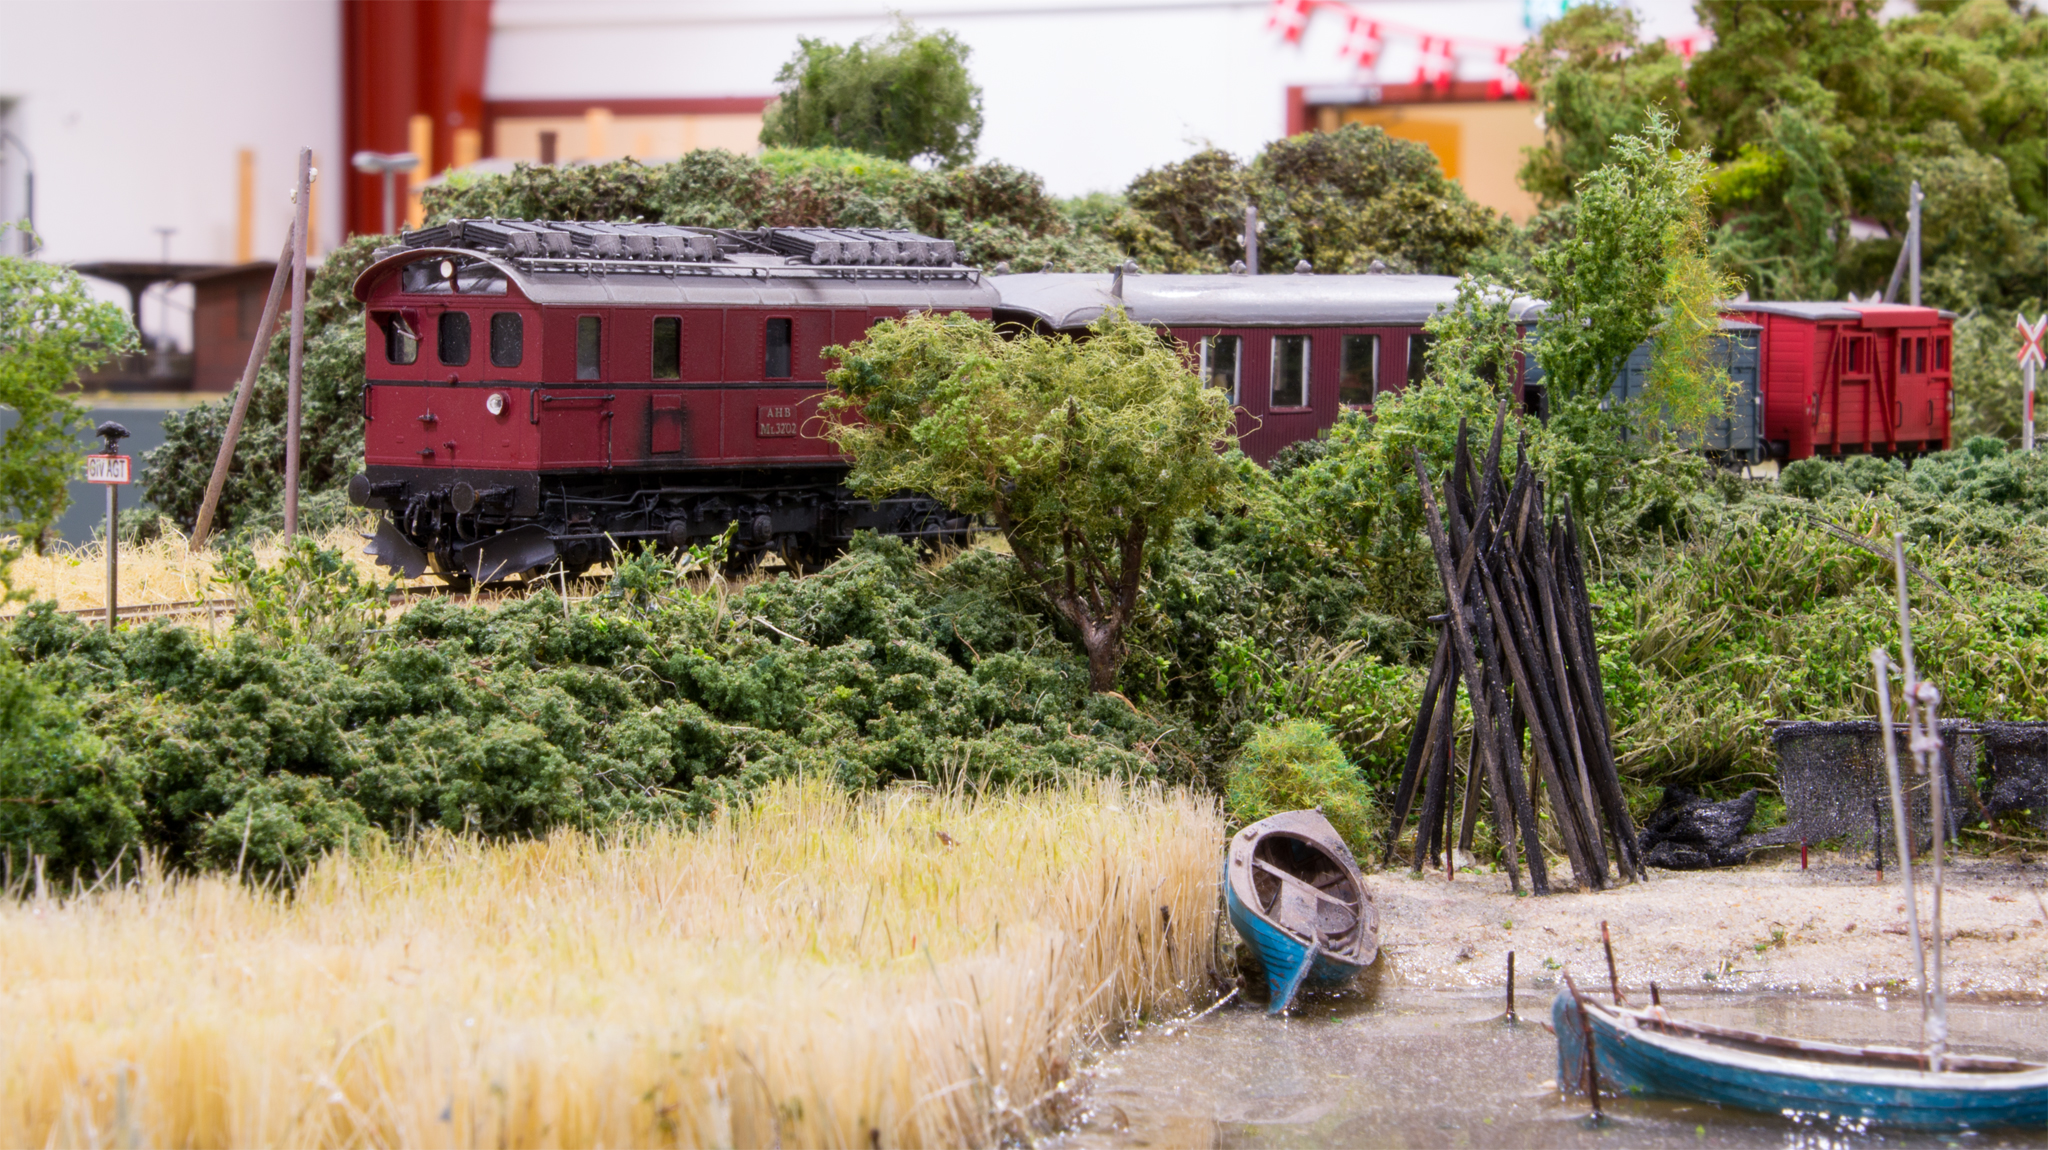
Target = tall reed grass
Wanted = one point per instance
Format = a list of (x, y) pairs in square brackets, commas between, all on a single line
[(903, 969)]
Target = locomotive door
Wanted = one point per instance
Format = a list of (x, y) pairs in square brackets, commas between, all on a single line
[(575, 427)]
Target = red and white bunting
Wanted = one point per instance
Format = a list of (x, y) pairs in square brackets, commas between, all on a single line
[(1289, 18), (1362, 41), (1438, 55)]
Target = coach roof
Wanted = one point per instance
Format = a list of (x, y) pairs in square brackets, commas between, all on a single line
[(1067, 301)]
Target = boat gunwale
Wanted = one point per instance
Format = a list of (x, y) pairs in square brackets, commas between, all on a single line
[(1243, 850), (1624, 1025)]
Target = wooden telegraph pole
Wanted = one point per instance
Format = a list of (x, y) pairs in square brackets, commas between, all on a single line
[(301, 197)]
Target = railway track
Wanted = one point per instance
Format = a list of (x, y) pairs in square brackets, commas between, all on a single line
[(183, 607)]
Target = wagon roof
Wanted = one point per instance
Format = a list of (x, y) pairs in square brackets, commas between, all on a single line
[(1870, 314), (1065, 301)]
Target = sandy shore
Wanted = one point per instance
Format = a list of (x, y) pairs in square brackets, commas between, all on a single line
[(1834, 927)]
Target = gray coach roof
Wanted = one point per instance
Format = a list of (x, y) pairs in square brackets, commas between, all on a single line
[(1064, 301)]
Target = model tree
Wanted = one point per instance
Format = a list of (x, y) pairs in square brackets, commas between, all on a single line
[(50, 330), (1085, 453), (904, 96)]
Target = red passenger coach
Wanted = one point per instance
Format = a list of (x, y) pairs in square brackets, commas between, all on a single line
[(1293, 351), (548, 391), (1848, 378)]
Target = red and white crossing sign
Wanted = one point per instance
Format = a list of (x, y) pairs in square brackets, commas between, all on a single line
[(106, 468), (2030, 340)]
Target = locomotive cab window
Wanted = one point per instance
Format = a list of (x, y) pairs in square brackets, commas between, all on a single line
[(1219, 363), (589, 346), (452, 338), (401, 343), (1290, 370), (508, 339), (775, 355), (1418, 357), (666, 359), (1361, 371)]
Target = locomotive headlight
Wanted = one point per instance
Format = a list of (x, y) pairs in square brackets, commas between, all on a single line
[(447, 269), (495, 403)]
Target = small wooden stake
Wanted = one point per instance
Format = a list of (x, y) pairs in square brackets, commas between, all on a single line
[(1592, 1081), (1511, 986), (1613, 983), (1655, 998)]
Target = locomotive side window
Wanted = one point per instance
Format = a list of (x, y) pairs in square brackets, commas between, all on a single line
[(401, 343), (589, 346), (1361, 371), (666, 359), (775, 357), (508, 339), (1290, 370), (452, 338), (1219, 363), (1418, 357)]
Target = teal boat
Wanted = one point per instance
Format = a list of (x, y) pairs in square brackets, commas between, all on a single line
[(1295, 895), (1647, 1052)]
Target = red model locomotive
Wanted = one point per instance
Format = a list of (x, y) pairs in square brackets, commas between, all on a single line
[(539, 392), (548, 392)]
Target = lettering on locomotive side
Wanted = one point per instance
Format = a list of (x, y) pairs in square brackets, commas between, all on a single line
[(775, 421)]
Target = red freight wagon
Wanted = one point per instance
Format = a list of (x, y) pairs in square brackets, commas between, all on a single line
[(1293, 350), (1853, 378), (544, 391)]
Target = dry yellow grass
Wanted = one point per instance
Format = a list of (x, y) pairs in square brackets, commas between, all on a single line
[(164, 570), (903, 969)]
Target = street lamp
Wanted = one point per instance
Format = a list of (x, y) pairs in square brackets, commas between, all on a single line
[(388, 165)]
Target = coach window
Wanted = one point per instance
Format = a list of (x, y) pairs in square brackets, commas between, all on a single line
[(775, 360), (1220, 355), (1905, 355), (401, 343), (1361, 371), (589, 346), (452, 338), (1418, 357), (1941, 355), (508, 339), (667, 361), (1290, 370), (1920, 354)]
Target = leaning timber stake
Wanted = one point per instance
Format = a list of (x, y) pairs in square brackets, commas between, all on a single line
[(1518, 637)]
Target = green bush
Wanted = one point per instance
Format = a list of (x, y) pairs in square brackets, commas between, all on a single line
[(1295, 765)]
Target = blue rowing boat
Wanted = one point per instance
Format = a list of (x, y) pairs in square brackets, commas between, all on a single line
[(1295, 895), (1647, 1052)]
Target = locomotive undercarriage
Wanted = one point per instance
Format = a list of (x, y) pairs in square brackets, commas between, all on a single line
[(469, 528)]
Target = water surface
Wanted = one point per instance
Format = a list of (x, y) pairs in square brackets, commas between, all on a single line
[(1411, 1068)]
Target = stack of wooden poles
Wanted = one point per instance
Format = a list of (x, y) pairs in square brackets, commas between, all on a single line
[(1519, 637)]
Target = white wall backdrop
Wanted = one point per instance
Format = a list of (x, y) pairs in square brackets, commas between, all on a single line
[(1085, 94), (134, 111)]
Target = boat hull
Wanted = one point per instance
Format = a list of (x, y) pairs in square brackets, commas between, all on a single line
[(1281, 954), (1295, 958), (1639, 1061)]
